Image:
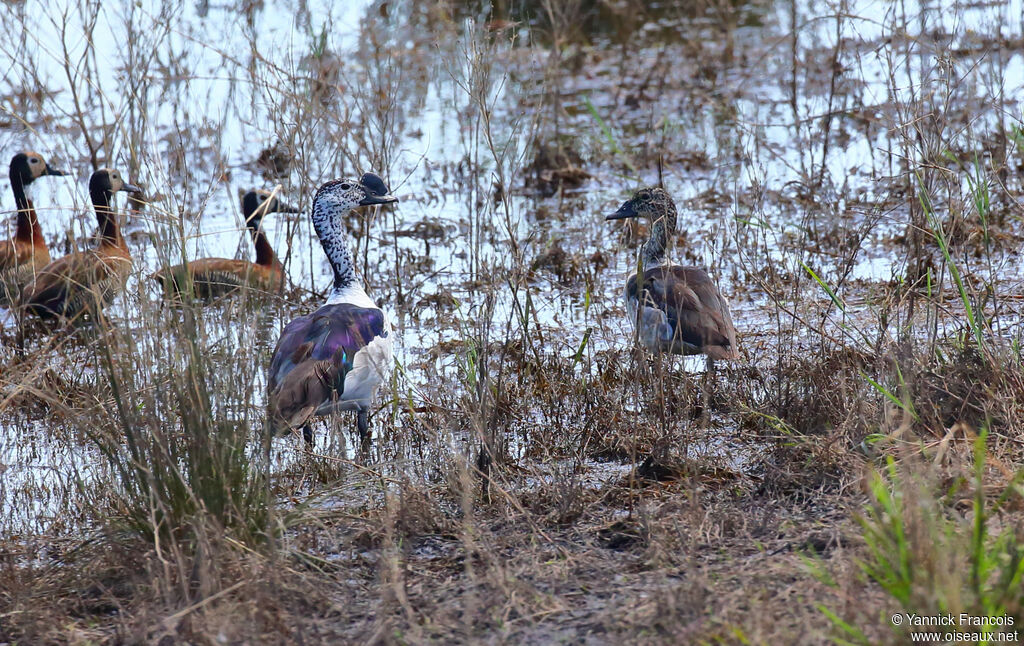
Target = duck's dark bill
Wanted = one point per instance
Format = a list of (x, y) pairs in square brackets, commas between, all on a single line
[(377, 199), (53, 171), (377, 191), (625, 211)]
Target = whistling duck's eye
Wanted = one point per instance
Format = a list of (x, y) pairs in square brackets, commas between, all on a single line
[(346, 186), (33, 161)]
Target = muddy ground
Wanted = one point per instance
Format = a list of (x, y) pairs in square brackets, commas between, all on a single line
[(849, 174)]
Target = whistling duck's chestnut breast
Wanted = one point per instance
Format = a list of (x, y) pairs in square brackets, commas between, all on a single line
[(86, 280)]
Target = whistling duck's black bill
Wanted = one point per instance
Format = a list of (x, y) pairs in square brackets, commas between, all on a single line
[(377, 191), (625, 211), (52, 171), (130, 188)]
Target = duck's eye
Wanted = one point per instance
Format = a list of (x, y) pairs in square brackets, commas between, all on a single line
[(346, 186), (33, 161)]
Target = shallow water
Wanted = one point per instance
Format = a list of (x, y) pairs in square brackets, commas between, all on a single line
[(731, 104)]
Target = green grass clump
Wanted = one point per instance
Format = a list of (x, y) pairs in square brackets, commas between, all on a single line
[(939, 555), (190, 474)]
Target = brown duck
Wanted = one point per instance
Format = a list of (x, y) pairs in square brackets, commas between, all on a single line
[(209, 278), (26, 253), (87, 280), (673, 308)]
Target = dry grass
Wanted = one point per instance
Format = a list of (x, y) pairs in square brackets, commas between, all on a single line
[(533, 479)]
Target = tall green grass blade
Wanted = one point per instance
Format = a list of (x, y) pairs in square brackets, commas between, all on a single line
[(905, 406), (608, 135), (973, 318), (828, 290), (858, 636), (583, 346)]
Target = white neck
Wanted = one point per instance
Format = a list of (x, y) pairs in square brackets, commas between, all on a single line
[(353, 294)]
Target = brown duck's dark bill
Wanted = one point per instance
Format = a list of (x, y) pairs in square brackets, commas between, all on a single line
[(131, 188), (369, 200), (625, 211), (53, 171), (287, 208)]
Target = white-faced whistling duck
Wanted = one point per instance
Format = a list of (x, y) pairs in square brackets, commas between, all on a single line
[(86, 280), (26, 253), (335, 358), (211, 278), (673, 309)]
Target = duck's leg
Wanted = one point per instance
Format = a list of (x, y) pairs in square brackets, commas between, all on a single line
[(307, 435), (662, 365), (705, 394), (363, 424), (19, 314)]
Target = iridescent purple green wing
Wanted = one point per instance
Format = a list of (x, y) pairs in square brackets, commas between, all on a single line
[(333, 332)]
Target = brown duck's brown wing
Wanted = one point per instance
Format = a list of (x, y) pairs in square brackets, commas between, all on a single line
[(696, 313), (14, 280), (70, 285), (15, 252), (8, 255), (310, 384), (216, 277)]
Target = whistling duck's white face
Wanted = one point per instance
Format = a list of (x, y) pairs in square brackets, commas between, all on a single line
[(36, 164), (29, 166), (258, 202), (114, 181)]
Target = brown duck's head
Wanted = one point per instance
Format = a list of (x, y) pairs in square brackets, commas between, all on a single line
[(257, 203), (28, 166), (653, 203), (108, 181)]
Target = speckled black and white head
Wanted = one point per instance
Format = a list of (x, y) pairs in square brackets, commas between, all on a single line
[(258, 203), (655, 204), (333, 201)]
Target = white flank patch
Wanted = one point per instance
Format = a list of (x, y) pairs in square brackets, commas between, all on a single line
[(371, 364), (370, 367)]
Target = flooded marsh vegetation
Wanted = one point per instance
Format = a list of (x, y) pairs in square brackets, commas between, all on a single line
[(848, 174)]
